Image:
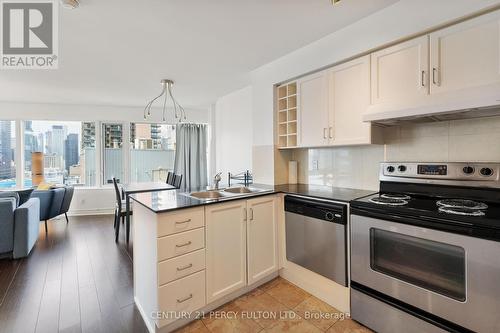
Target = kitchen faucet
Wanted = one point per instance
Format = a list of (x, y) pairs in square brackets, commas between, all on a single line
[(217, 179)]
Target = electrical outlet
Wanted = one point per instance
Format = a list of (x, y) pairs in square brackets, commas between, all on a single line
[(315, 165)]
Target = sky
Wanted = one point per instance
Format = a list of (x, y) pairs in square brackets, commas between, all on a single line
[(42, 126)]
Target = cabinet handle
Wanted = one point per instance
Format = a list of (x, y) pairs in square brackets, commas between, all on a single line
[(422, 79), (182, 222), (185, 244), (182, 300), (330, 132), (251, 214), (184, 267), (324, 133), (434, 72), (244, 214)]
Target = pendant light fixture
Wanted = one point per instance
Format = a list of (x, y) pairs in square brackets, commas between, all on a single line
[(166, 92)]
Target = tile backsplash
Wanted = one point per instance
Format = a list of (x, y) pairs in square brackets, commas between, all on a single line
[(475, 140)]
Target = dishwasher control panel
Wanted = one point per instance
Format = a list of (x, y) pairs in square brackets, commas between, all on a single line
[(323, 210)]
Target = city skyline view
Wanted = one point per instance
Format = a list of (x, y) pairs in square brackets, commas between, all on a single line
[(69, 149)]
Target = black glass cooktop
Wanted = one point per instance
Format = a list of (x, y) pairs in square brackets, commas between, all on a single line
[(470, 212)]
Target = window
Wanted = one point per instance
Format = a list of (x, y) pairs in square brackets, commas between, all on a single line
[(60, 152), (112, 142), (7, 149), (152, 151)]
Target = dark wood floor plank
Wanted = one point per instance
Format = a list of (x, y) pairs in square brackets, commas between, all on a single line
[(69, 315), (77, 279)]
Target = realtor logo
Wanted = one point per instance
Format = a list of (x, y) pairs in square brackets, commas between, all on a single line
[(29, 34)]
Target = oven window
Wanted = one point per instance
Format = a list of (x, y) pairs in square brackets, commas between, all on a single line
[(428, 264)]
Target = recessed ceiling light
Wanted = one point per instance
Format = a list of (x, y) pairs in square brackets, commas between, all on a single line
[(70, 4)]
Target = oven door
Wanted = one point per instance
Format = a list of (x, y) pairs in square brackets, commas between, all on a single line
[(451, 276)]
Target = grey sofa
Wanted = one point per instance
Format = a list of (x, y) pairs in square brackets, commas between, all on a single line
[(19, 225)]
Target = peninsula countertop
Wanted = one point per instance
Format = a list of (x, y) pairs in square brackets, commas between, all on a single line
[(164, 201)]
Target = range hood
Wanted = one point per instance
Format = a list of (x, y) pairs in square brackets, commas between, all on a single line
[(477, 102)]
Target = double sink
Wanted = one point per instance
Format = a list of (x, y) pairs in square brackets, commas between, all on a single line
[(225, 193)]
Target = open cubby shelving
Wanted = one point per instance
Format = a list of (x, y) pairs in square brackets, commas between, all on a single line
[(287, 115)]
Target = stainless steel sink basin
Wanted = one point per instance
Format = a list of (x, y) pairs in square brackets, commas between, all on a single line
[(239, 190), (226, 193), (207, 195)]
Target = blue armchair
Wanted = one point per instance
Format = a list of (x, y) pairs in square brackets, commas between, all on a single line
[(19, 226), (50, 203)]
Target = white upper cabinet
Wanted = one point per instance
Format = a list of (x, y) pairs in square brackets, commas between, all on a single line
[(349, 97), (313, 110), (225, 248), (466, 54), (400, 72), (262, 245)]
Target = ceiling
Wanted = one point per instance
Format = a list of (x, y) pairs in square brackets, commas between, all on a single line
[(114, 52)]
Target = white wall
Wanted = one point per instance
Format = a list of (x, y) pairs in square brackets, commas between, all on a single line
[(233, 139), (404, 18), (72, 112), (92, 200)]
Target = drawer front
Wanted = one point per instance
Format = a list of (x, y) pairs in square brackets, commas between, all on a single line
[(184, 220), (183, 295), (178, 267), (182, 243)]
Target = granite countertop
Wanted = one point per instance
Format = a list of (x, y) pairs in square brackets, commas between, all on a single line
[(169, 200)]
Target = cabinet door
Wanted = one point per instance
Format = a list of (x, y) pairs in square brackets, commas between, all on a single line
[(262, 241), (400, 72), (225, 248), (313, 110), (466, 54), (349, 98)]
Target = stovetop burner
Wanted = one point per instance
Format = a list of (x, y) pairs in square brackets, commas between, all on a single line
[(461, 204), (381, 200), (461, 211), (396, 196)]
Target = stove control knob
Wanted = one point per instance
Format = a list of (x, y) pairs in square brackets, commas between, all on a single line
[(329, 216), (390, 168), (486, 172), (402, 168), (468, 170)]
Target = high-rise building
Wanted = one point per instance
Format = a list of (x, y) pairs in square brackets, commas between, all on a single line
[(30, 144), (88, 135), (113, 135), (145, 136), (6, 156), (71, 150), (58, 138), (40, 143)]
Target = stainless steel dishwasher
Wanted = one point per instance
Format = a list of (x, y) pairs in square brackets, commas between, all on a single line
[(316, 236)]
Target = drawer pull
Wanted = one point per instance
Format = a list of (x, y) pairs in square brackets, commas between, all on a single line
[(185, 244), (182, 300), (184, 267), (182, 222)]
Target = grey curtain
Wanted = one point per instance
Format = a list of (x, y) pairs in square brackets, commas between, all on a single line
[(191, 155)]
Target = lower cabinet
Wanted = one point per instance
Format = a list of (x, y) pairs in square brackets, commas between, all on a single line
[(186, 259), (225, 248), (183, 295), (262, 245), (241, 244)]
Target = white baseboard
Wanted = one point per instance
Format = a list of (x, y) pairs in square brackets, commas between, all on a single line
[(87, 212)]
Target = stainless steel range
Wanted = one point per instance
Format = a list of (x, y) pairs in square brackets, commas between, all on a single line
[(425, 250)]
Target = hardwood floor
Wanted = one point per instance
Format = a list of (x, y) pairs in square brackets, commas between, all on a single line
[(75, 280)]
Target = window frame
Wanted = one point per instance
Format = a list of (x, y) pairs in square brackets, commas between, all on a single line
[(126, 146)]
